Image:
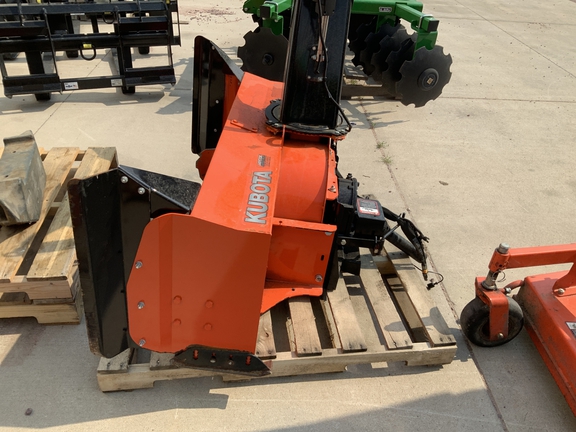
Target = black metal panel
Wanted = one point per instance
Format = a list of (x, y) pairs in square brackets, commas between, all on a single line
[(127, 25), (98, 236), (168, 194), (109, 213), (211, 65), (150, 75), (40, 83), (32, 28), (237, 362), (306, 100)]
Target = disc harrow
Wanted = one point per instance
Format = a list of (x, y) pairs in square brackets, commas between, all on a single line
[(264, 53), (411, 68)]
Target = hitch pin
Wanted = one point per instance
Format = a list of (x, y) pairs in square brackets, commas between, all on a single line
[(390, 232)]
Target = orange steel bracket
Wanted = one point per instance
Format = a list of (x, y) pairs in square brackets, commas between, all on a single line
[(498, 304), (503, 259)]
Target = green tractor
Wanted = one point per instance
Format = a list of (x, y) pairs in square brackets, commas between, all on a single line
[(410, 67)]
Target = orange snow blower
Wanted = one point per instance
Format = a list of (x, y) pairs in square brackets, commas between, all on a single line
[(546, 303), (170, 265)]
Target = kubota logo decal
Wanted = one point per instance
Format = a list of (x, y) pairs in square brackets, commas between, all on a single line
[(257, 209)]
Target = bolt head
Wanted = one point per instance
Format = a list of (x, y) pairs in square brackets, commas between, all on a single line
[(124, 179), (142, 342), (141, 305), (138, 264), (141, 190), (343, 242), (561, 291), (500, 336), (503, 248), (318, 278)]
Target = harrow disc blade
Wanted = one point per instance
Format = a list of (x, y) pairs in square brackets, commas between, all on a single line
[(394, 62), (264, 54), (357, 44), (373, 45), (387, 45), (424, 77)]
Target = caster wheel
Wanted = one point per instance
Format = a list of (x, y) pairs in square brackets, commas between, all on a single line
[(42, 96), (144, 50), (475, 321), (129, 90)]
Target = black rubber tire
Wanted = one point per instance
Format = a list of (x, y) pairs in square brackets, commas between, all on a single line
[(144, 50), (42, 96), (475, 321), (128, 90)]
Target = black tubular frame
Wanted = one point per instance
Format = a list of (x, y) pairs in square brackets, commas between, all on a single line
[(48, 28)]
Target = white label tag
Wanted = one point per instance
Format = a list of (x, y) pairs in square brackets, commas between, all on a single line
[(116, 82), (385, 9), (70, 86), (368, 207)]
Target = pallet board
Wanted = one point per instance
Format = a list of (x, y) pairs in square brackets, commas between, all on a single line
[(38, 270), (366, 319)]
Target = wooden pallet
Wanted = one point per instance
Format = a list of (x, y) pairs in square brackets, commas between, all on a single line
[(38, 270), (386, 315)]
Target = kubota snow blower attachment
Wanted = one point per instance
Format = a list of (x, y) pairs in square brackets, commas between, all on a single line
[(172, 266), (545, 302)]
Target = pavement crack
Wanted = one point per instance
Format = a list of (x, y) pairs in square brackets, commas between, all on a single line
[(67, 96)]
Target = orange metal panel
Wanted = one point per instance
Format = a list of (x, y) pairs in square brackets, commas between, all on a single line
[(551, 320), (302, 183), (232, 185), (276, 292), (197, 283), (299, 253)]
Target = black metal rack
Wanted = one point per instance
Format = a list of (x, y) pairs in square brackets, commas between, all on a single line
[(48, 28)]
